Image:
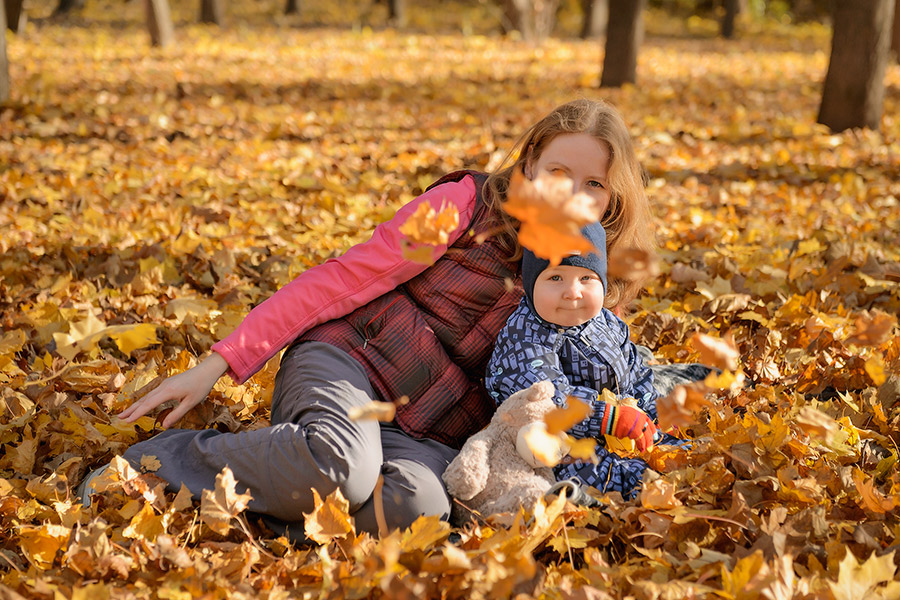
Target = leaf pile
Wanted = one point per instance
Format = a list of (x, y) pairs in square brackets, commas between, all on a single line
[(149, 198)]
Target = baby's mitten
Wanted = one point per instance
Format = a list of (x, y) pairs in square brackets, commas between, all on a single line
[(629, 422)]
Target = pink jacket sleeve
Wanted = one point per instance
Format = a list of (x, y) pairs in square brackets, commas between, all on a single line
[(339, 285)]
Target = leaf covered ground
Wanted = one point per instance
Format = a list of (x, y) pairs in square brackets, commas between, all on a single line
[(149, 198)]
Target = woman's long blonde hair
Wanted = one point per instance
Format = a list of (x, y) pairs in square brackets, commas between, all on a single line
[(628, 221)]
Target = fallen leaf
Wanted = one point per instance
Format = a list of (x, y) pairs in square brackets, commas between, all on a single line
[(219, 506), (329, 519)]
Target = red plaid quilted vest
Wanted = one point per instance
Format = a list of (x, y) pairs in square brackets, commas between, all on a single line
[(430, 339)]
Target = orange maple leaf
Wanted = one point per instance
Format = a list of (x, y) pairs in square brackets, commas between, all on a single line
[(428, 226), (551, 216)]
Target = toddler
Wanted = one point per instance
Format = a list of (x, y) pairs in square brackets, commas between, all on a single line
[(561, 332)]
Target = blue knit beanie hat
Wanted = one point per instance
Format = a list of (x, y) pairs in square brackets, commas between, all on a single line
[(532, 266)]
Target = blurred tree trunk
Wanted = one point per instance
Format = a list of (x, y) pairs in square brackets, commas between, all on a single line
[(212, 11), (534, 19), (159, 22), (853, 94), (596, 13), (624, 34), (292, 7), (65, 6), (895, 37), (732, 9), (4, 63), (15, 15), (397, 12)]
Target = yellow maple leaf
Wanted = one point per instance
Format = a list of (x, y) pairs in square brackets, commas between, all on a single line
[(41, 543), (858, 580), (219, 506), (146, 524), (624, 447), (424, 255), (562, 419), (551, 216), (424, 533), (12, 341), (329, 519), (874, 367), (379, 411), (737, 582), (132, 337), (431, 227)]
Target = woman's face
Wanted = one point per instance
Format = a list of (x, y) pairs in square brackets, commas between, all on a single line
[(582, 158)]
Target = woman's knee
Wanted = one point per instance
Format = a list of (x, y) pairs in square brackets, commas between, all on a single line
[(412, 490)]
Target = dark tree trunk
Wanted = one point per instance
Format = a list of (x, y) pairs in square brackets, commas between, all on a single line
[(15, 15), (4, 63), (732, 10), (397, 12), (895, 36), (853, 94), (159, 22), (596, 13), (212, 11), (292, 7), (624, 34), (65, 6)]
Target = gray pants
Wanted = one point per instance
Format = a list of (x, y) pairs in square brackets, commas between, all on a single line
[(312, 444)]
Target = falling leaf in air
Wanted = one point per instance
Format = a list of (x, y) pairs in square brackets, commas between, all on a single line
[(632, 264), (551, 216), (716, 352)]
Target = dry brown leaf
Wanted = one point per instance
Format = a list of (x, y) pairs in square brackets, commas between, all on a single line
[(872, 329)]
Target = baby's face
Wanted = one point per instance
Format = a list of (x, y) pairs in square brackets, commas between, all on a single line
[(567, 295)]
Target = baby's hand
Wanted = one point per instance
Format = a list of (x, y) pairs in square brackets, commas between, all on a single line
[(633, 423)]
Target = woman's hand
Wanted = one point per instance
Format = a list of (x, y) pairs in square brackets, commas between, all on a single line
[(189, 389)]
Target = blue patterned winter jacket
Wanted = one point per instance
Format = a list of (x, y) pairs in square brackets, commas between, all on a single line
[(580, 361)]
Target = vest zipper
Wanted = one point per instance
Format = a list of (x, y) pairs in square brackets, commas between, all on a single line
[(378, 314)]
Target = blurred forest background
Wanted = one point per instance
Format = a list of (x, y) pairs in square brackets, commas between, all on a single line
[(165, 166)]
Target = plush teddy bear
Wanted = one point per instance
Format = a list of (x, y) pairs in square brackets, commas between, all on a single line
[(495, 471)]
